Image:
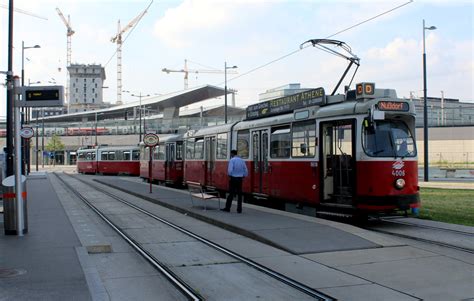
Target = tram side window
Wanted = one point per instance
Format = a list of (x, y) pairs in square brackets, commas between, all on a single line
[(111, 156), (222, 146), (179, 150), (103, 156), (190, 149), (161, 152), (135, 155), (80, 157), (199, 149), (93, 156), (280, 142), (243, 138), (304, 139), (126, 156)]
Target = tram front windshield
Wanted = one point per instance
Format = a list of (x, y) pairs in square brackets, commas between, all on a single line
[(388, 139)]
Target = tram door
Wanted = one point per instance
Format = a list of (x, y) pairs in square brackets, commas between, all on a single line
[(260, 166), (210, 159), (337, 161), (170, 155)]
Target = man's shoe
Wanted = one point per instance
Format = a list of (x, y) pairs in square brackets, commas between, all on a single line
[(239, 211), (225, 209)]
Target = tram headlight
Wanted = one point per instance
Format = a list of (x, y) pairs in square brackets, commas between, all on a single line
[(399, 183)]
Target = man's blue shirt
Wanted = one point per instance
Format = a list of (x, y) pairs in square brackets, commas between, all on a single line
[(237, 168)]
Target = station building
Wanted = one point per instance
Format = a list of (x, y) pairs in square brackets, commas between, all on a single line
[(451, 122)]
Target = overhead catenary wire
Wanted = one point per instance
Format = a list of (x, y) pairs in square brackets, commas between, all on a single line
[(301, 48)]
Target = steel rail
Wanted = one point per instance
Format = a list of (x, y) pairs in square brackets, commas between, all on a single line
[(282, 278), (175, 280), (443, 244), (427, 227)]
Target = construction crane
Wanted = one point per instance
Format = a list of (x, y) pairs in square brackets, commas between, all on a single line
[(69, 33), (118, 40), (186, 72)]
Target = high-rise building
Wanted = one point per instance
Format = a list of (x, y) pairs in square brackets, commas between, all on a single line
[(85, 87)]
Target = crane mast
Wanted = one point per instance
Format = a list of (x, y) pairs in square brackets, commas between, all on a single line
[(118, 40), (69, 34)]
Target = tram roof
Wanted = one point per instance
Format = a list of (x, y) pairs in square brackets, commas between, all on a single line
[(175, 99)]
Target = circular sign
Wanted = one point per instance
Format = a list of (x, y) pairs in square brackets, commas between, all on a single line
[(27, 132), (151, 139)]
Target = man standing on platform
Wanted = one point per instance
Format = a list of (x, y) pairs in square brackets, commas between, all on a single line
[(237, 171)]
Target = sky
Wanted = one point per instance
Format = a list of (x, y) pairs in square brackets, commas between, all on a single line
[(261, 38)]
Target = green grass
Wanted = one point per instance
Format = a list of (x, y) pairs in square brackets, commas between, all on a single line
[(455, 206)]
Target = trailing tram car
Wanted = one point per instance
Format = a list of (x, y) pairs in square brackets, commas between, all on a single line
[(119, 160), (354, 153), (167, 162)]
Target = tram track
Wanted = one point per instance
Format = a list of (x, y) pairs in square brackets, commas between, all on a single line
[(425, 233), (388, 220), (189, 292), (182, 286)]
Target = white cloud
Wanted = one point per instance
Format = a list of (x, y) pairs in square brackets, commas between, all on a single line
[(450, 66), (193, 19)]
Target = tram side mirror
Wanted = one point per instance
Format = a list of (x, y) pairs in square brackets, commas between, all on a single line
[(303, 148)]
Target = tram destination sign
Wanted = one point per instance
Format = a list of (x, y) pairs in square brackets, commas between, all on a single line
[(287, 104), (393, 106)]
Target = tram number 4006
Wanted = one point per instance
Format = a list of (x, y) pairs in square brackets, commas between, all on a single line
[(398, 173)]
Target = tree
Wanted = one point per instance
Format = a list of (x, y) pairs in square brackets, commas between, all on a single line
[(55, 144)]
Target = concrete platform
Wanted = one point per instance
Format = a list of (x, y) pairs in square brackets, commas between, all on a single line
[(57, 259), (47, 255)]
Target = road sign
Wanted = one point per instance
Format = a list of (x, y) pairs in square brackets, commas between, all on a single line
[(151, 140), (27, 132)]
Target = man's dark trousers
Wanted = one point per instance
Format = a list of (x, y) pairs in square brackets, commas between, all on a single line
[(235, 187)]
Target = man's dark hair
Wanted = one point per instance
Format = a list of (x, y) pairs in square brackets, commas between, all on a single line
[(233, 152)]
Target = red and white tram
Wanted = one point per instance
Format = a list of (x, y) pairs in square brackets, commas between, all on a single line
[(109, 160), (353, 152), (167, 163)]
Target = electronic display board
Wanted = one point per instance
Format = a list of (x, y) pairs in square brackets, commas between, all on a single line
[(42, 96), (286, 104)]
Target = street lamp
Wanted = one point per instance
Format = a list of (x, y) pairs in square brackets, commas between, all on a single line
[(23, 60), (425, 106), (225, 89), (33, 83), (140, 113), (25, 144)]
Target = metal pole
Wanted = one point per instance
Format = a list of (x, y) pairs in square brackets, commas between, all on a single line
[(150, 165), (42, 139), (18, 165), (225, 92), (10, 109), (36, 145), (22, 63), (95, 128), (24, 168), (140, 114), (425, 112)]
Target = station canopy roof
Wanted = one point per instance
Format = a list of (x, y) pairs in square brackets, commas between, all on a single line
[(158, 103)]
